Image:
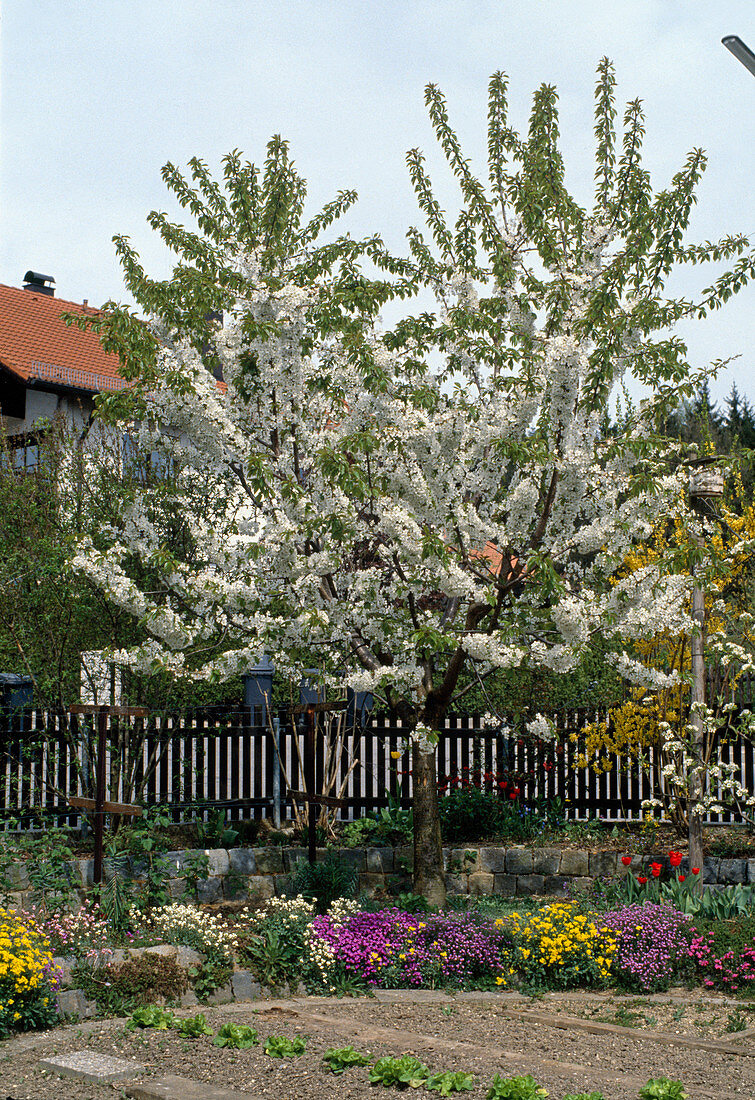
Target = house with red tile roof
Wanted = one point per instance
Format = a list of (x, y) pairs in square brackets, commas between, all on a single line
[(46, 366)]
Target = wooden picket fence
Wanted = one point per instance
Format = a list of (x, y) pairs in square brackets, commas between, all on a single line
[(207, 759)]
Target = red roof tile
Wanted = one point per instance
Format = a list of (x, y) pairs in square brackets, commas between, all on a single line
[(37, 345)]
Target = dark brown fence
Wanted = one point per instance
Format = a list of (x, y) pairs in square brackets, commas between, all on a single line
[(194, 762)]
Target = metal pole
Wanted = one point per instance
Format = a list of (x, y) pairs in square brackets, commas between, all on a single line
[(276, 774), (99, 798)]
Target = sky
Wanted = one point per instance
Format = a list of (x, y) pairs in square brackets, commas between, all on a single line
[(96, 97)]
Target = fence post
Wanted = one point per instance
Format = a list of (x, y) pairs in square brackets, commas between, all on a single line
[(276, 773)]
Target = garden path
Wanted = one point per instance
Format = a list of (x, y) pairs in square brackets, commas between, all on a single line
[(481, 1033)]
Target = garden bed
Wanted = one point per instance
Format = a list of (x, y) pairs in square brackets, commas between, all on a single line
[(479, 1033)]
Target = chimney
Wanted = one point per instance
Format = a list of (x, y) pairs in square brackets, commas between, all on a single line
[(41, 284)]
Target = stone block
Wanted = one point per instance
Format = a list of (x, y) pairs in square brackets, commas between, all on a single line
[(188, 999), (259, 888), (371, 884), (403, 859), (292, 856), (732, 870), (167, 950), (139, 867), (580, 883), (282, 884), (751, 870), (209, 890), (222, 996), (602, 864), (86, 871), (469, 859), (456, 884), (244, 987), (218, 861), (72, 1002), (530, 884), (64, 965), (89, 1065), (242, 861), (555, 885), (518, 861), (505, 885), (574, 862), (187, 956), (546, 861), (353, 858), (481, 882), (176, 888), (170, 1087), (379, 860), (493, 859), (710, 869), (268, 861), (18, 875)]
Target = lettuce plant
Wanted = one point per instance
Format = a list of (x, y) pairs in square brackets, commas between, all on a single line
[(399, 1072), (278, 1046), (236, 1035), (340, 1058)]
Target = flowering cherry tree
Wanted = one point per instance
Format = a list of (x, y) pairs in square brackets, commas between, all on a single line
[(396, 504)]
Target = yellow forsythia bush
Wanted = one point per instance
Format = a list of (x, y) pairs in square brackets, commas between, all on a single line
[(559, 947), (28, 977)]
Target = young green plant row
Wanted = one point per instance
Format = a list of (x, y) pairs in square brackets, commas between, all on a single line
[(404, 1072)]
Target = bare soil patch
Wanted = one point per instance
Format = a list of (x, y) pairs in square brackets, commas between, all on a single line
[(483, 1034)]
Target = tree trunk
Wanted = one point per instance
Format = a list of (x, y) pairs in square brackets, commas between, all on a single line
[(429, 880)]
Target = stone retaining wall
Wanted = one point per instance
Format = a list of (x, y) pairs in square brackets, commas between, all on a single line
[(256, 874), (73, 1004)]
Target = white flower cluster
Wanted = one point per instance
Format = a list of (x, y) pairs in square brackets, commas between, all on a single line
[(184, 925), (541, 728)]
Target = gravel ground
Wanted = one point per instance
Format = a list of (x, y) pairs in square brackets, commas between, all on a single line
[(483, 1035)]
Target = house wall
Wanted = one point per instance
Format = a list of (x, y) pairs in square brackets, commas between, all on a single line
[(45, 405)]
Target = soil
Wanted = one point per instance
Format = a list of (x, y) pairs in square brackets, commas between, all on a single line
[(683, 1036)]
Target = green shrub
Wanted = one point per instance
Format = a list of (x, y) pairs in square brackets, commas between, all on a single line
[(468, 813), (389, 826), (728, 935), (119, 988), (273, 945), (324, 882)]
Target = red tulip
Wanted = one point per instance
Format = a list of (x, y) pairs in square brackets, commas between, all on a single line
[(641, 879), (626, 860), (695, 870), (675, 858), (681, 878), (655, 869)]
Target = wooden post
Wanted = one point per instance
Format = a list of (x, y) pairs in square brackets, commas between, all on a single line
[(101, 807)]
